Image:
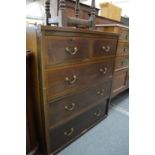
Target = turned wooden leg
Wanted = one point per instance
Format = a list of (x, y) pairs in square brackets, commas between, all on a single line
[(92, 14), (47, 11), (77, 9)]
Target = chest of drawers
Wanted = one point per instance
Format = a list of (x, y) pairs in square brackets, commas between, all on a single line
[(121, 74), (72, 77)]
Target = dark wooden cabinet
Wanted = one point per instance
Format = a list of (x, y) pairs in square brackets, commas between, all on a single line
[(72, 78), (121, 74)]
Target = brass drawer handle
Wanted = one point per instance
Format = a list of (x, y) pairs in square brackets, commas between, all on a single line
[(103, 70), (71, 81), (70, 107), (69, 133), (71, 52), (98, 113), (106, 48), (101, 92)]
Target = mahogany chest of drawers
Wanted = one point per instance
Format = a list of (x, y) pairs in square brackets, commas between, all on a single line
[(121, 74), (72, 77)]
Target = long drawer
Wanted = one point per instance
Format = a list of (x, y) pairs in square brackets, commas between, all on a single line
[(66, 49), (71, 106), (104, 47), (66, 133), (61, 80)]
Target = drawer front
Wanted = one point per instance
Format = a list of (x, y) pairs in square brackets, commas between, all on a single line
[(66, 49), (64, 134), (121, 62), (120, 82), (104, 47), (124, 35), (73, 105), (122, 49), (59, 81)]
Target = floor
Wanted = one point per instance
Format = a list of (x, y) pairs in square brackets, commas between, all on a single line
[(110, 137)]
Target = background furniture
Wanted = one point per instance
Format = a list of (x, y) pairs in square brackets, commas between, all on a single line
[(125, 21), (85, 13), (70, 9), (31, 138), (110, 11), (104, 20), (84, 10), (121, 74), (72, 81), (63, 20)]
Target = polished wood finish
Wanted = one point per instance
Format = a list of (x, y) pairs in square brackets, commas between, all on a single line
[(68, 79), (70, 49), (104, 47), (71, 106), (121, 75), (66, 133), (72, 88)]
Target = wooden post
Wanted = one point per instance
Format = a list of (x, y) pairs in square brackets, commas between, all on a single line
[(47, 11), (92, 15), (77, 9)]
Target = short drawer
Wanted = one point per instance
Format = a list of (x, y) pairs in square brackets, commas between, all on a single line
[(124, 35), (120, 82), (63, 135), (70, 106), (122, 49), (104, 47), (121, 62), (61, 80), (65, 49)]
